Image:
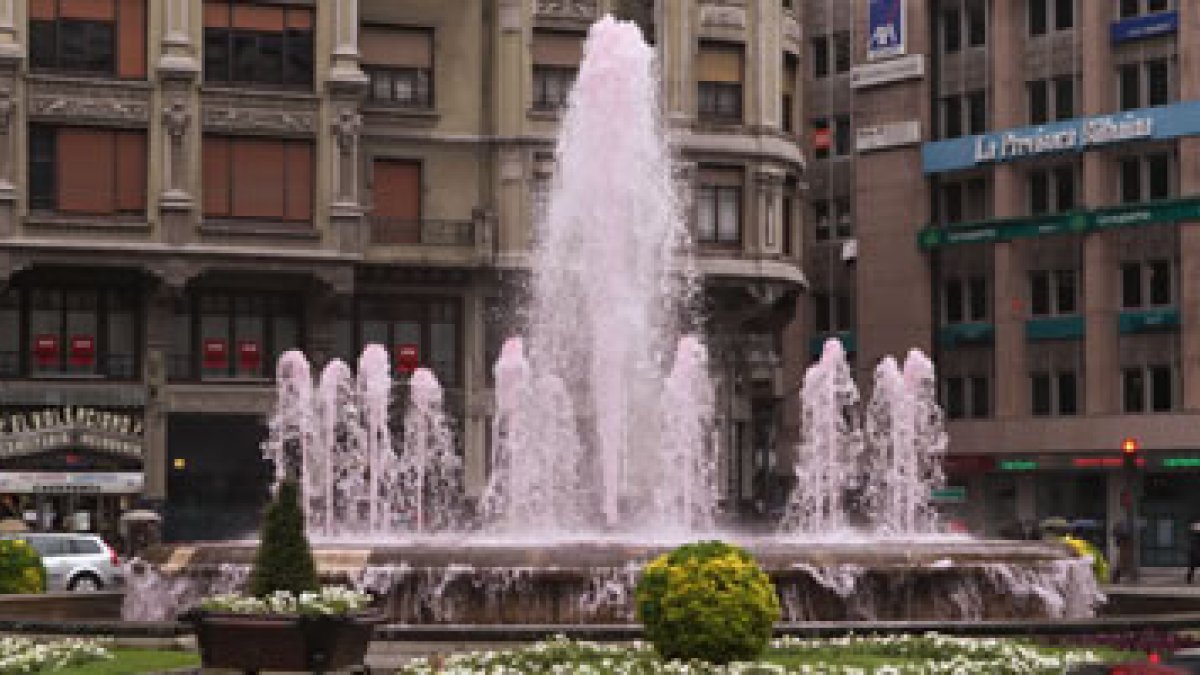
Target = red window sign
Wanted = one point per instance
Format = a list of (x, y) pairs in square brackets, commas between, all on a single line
[(249, 355), (216, 354), (45, 349), (83, 350), (408, 357), (822, 138)]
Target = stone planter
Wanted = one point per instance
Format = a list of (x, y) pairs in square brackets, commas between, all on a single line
[(257, 642)]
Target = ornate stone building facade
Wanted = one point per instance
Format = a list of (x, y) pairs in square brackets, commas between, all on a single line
[(190, 187)]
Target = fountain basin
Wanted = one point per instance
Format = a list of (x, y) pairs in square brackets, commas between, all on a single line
[(592, 582)]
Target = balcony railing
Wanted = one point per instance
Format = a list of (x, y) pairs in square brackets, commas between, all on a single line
[(392, 231)]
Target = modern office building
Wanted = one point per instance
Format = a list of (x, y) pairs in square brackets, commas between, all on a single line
[(1014, 186), (190, 187)]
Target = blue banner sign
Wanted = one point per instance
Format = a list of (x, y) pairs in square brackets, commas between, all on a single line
[(885, 29), (1146, 26), (1077, 135)]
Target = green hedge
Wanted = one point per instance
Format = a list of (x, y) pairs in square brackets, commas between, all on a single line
[(21, 568)]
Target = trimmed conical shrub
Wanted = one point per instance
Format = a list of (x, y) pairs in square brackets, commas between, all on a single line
[(284, 561)]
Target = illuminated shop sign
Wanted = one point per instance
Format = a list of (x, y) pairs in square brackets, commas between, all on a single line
[(71, 483), (31, 433), (1070, 136), (1145, 27)]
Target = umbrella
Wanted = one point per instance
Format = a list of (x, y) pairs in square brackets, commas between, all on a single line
[(140, 516), (11, 525), (1055, 523)]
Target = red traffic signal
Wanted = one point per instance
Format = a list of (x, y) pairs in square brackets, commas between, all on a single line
[(1129, 446)]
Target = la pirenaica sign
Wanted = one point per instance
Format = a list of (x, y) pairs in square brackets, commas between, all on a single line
[(71, 427), (1077, 135)]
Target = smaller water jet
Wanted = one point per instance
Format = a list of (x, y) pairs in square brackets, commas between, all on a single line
[(686, 494), (430, 469)]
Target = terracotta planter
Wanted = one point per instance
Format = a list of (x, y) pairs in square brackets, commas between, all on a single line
[(255, 642)]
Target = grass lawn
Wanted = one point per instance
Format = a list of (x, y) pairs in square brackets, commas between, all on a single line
[(128, 661)]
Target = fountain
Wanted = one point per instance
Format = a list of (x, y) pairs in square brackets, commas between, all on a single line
[(603, 446)]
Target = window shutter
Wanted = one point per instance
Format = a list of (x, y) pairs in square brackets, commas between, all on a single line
[(258, 17), (42, 10), (216, 156), (131, 39), (406, 48), (258, 178), (86, 171), (557, 49), (397, 189), (216, 15), (298, 158), (719, 63), (131, 172), (97, 10)]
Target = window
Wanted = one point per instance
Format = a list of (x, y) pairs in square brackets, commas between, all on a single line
[(952, 202), (432, 325), (1052, 190), (964, 201), (1147, 283), (789, 218), (820, 56), (841, 135), (719, 207), (395, 202), (1158, 82), (1064, 97), (556, 58), (967, 396), (262, 44), (258, 178), (833, 218), (965, 300), (10, 333), (84, 332), (97, 37), (1146, 177), (1153, 75), (787, 93), (1037, 17), (833, 312), (1053, 292), (822, 225), (1054, 393), (1132, 8), (841, 51), (976, 24), (952, 117), (1148, 388), (87, 172), (1042, 107), (399, 63), (1039, 101), (238, 335), (844, 221), (977, 112), (719, 82), (1064, 14), (951, 31)]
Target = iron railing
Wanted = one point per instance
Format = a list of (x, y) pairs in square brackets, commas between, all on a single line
[(388, 230)]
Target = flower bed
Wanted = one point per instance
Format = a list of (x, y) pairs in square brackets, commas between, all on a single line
[(930, 654), (23, 655), (329, 601)]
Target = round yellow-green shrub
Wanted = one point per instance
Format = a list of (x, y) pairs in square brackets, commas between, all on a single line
[(708, 601), (21, 568)]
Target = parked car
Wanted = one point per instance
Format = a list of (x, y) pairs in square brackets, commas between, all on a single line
[(76, 561)]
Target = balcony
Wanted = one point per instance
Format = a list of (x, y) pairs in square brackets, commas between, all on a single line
[(464, 242)]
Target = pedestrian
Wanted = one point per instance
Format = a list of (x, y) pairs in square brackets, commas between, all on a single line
[(1193, 549), (1122, 537)]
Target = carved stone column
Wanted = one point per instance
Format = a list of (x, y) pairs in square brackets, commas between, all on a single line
[(344, 65), (176, 119), (160, 307), (769, 193), (346, 212), (178, 53)]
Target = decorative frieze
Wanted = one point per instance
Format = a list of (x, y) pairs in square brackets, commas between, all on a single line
[(239, 119), (723, 16), (82, 107), (566, 9)]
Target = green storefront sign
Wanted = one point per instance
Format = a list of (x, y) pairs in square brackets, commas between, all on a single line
[(1075, 222)]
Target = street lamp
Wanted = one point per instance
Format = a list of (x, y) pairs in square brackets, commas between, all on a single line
[(1131, 548)]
